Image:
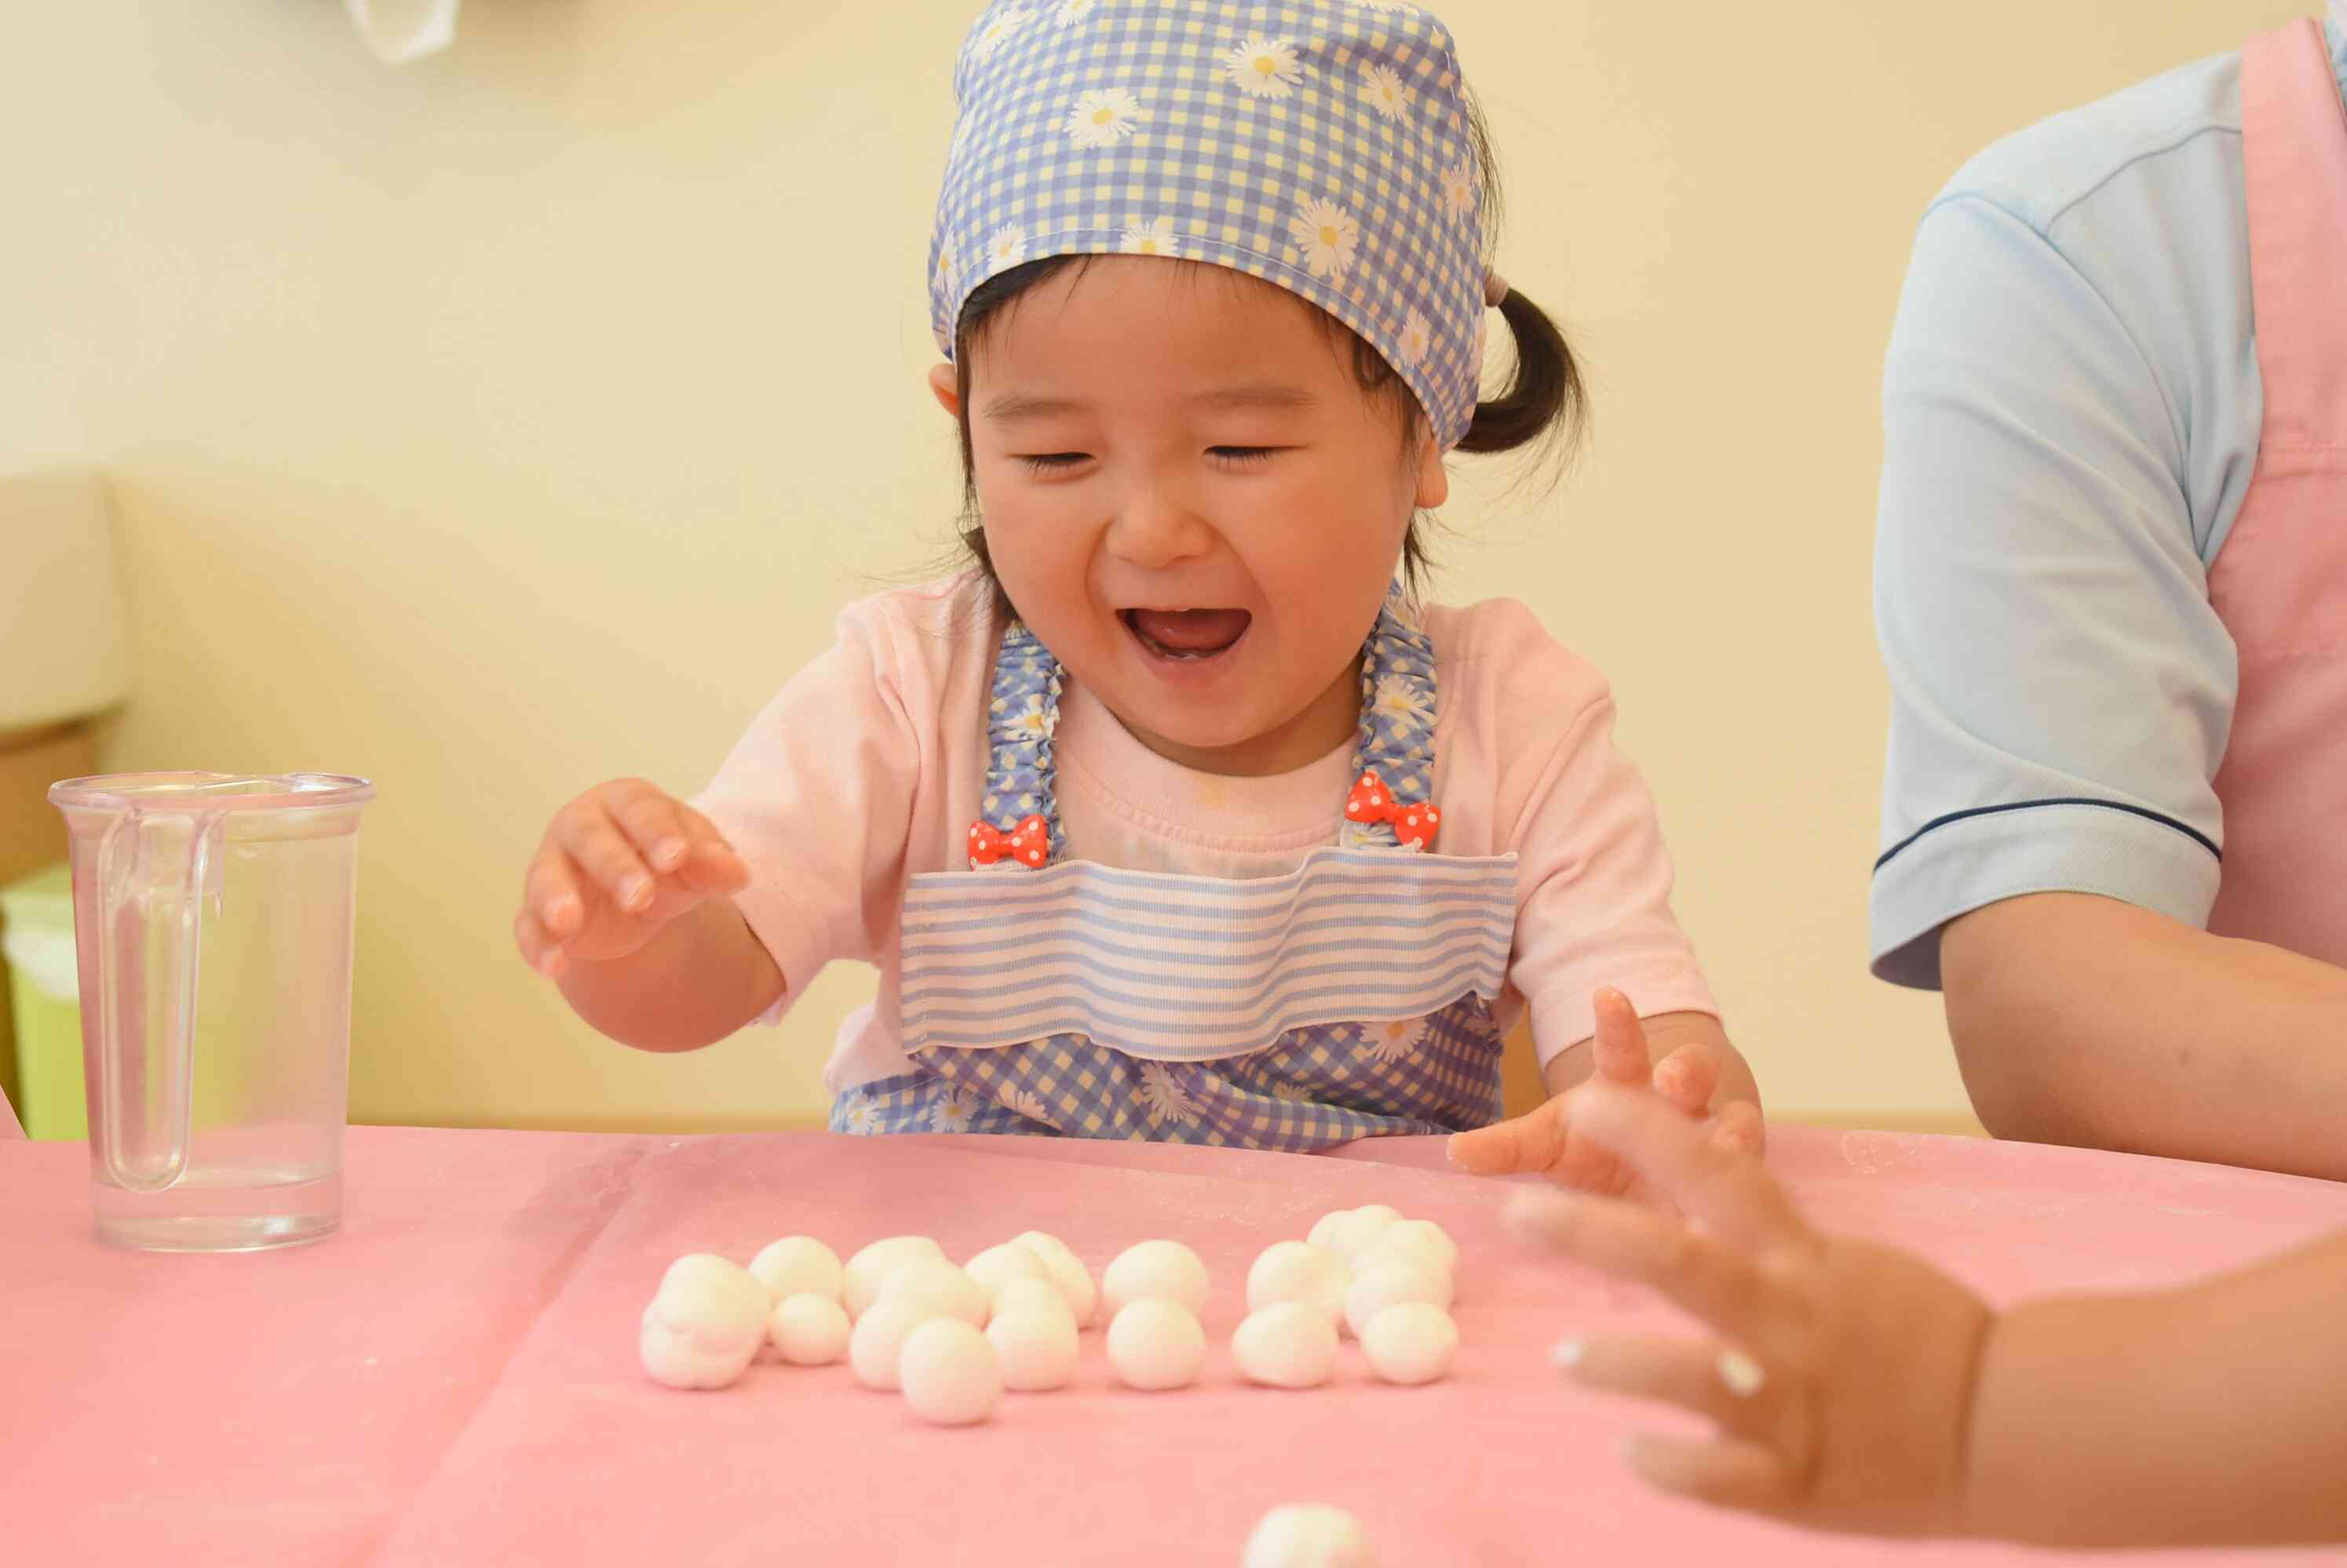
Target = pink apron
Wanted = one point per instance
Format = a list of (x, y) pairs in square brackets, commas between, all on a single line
[(2279, 583)]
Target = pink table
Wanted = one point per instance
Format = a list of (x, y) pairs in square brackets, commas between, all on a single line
[(452, 1378)]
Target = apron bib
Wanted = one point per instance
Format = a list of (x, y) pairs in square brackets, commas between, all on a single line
[(1347, 998), (2279, 584)]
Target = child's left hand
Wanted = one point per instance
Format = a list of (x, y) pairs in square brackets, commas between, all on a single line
[(1545, 1142)]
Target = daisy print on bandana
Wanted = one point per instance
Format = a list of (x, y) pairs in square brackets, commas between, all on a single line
[(1459, 188), (1414, 338), (1004, 22), (1264, 67), (1327, 235), (1382, 86), (1154, 238), (1319, 146), (1104, 117)]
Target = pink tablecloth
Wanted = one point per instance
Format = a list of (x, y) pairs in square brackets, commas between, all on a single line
[(452, 1378)]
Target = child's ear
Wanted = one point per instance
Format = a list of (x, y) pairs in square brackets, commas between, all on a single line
[(941, 386), (1433, 480)]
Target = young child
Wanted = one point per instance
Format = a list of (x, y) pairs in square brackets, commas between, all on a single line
[(1855, 1387), (1170, 819)]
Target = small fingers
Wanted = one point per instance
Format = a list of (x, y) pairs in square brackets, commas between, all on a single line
[(1533, 1141), (1731, 1472), (1738, 1127), (1620, 1053), (1706, 1181), (538, 949), (1688, 1076), (1723, 1385), (550, 892), (654, 824), (603, 851)]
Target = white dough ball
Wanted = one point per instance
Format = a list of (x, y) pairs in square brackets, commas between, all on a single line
[(870, 1269), (808, 1330), (1324, 1229), (1387, 1282), (1043, 1245), (1299, 1271), (1036, 1344), (1156, 1345), (1422, 1239), (879, 1339), (1411, 1342), (997, 1266), (1155, 1271), (1029, 1296), (704, 1267), (949, 1373), (1068, 1272), (703, 1331), (941, 1288), (1288, 1345), (1310, 1536), (797, 1266), (1382, 1255), (1352, 1236)]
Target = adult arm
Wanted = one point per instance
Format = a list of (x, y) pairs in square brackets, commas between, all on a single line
[(2086, 1021)]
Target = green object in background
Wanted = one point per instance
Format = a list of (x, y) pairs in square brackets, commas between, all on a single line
[(36, 939), (36, 935)]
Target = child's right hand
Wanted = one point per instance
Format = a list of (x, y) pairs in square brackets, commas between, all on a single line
[(616, 865)]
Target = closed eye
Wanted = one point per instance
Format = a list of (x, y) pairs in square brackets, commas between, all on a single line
[(1242, 456), (1046, 462)]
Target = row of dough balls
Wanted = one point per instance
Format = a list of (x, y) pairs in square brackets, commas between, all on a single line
[(952, 1339)]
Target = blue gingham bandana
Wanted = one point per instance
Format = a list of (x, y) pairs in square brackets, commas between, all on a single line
[(1319, 145)]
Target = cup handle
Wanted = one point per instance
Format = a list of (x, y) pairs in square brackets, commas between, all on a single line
[(155, 874)]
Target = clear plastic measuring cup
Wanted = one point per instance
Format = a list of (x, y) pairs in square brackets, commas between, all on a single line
[(212, 926)]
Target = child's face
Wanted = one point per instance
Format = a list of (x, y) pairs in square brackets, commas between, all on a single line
[(1152, 437)]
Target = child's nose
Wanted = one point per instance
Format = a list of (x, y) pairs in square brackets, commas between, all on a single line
[(1157, 528)]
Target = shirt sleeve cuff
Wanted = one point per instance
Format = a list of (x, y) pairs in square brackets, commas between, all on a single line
[(1962, 863), (788, 932)]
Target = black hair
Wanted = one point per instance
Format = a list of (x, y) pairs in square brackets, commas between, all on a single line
[(1545, 405)]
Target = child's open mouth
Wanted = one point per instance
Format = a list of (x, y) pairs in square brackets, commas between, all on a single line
[(1187, 634)]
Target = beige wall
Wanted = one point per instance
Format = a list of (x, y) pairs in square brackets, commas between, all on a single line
[(518, 419)]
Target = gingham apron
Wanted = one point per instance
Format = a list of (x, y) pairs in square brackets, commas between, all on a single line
[(1347, 998)]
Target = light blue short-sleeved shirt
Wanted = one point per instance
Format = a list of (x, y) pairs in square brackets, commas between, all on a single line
[(2071, 410)]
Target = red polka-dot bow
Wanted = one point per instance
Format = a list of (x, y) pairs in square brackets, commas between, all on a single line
[(1414, 823), (1029, 844)]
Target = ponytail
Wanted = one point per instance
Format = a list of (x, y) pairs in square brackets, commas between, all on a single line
[(1545, 400)]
